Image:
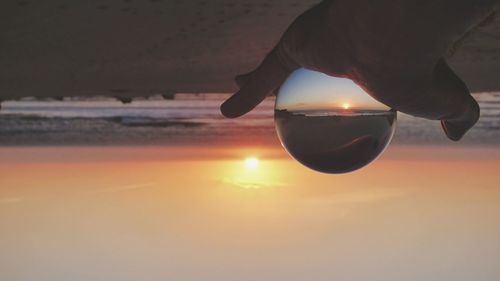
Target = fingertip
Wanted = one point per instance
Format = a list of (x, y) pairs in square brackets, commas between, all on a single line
[(452, 131), (256, 85), (227, 109), (238, 104), (455, 129)]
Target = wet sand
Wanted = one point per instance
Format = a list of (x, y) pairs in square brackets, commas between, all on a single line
[(337, 143)]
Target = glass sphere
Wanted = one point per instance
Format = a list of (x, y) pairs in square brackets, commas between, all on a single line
[(330, 124)]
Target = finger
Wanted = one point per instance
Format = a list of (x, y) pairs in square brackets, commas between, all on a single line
[(464, 110), (455, 128), (242, 80), (276, 91), (445, 98), (256, 85)]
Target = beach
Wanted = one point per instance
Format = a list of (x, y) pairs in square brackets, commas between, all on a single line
[(192, 119)]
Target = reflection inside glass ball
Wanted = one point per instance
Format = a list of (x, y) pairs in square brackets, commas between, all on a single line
[(330, 124)]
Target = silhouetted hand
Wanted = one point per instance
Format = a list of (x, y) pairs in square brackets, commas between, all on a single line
[(392, 49)]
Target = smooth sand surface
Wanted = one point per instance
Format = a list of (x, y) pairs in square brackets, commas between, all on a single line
[(141, 48)]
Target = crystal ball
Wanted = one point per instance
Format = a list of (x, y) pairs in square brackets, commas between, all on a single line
[(330, 124)]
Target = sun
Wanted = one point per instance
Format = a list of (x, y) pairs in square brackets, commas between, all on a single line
[(251, 163), (346, 105)]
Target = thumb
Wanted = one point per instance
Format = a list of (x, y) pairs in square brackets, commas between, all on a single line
[(446, 98), (464, 107), (467, 114), (256, 85)]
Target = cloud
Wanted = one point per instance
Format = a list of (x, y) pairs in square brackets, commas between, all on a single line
[(251, 184), (123, 187)]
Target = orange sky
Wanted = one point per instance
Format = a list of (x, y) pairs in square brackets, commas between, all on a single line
[(152, 213)]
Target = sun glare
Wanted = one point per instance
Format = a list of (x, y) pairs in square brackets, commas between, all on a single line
[(346, 105), (251, 163)]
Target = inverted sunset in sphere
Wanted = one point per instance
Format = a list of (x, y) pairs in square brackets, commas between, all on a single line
[(330, 124)]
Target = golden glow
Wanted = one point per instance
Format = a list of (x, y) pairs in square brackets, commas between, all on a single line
[(346, 105), (251, 163), (174, 203), (255, 173)]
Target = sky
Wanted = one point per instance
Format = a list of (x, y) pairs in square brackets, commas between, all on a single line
[(202, 213), (310, 90)]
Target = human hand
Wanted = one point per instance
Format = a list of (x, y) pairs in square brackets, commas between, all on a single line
[(392, 49)]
